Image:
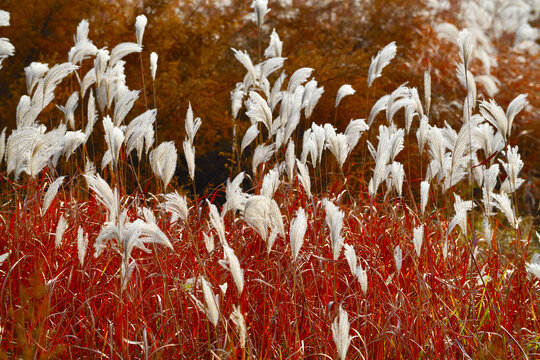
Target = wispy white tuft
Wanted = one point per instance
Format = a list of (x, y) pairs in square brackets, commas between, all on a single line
[(340, 333), (297, 232), (466, 44), (259, 111), (60, 230), (299, 77), (262, 154), (140, 24), (163, 161), (217, 222), (334, 221), (189, 153), (352, 260), (34, 72), (235, 269), (344, 90), (4, 18), (262, 214), (114, 137), (424, 195), (175, 204), (153, 64), (303, 176), (504, 204), (514, 108), (121, 50), (275, 47), (427, 91), (398, 258), (208, 242), (82, 244), (418, 238), (51, 193), (361, 275), (238, 319), (382, 59), (260, 9), (236, 199), (211, 301)]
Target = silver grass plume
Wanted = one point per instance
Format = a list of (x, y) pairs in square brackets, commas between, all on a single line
[(208, 242), (260, 9), (344, 90), (51, 193), (140, 24), (82, 244), (250, 135), (189, 153), (461, 208), (236, 199), (379, 106), (418, 238), (237, 96), (259, 111), (352, 260), (299, 77), (114, 137), (44, 93), (427, 91), (353, 132), (270, 183), (175, 204), (312, 95), (262, 154), (514, 108), (424, 195), (140, 131), (339, 147), (512, 167), (303, 176), (2, 145), (238, 320), (245, 60), (533, 267), (72, 140), (290, 160), (361, 275), (275, 47), (4, 18), (100, 64), (379, 62), (490, 181), (92, 116), (297, 232), (217, 222), (153, 65), (88, 80), (466, 44), (504, 204), (83, 47), (123, 105), (340, 333), (34, 72), (334, 221), (163, 161), (397, 174), (211, 302), (105, 195), (398, 258), (4, 257), (262, 213), (422, 133), (192, 126), (121, 50), (60, 230), (234, 268)]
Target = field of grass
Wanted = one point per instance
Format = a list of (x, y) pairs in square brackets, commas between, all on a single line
[(397, 236)]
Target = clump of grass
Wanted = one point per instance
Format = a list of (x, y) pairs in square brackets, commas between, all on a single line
[(419, 277)]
